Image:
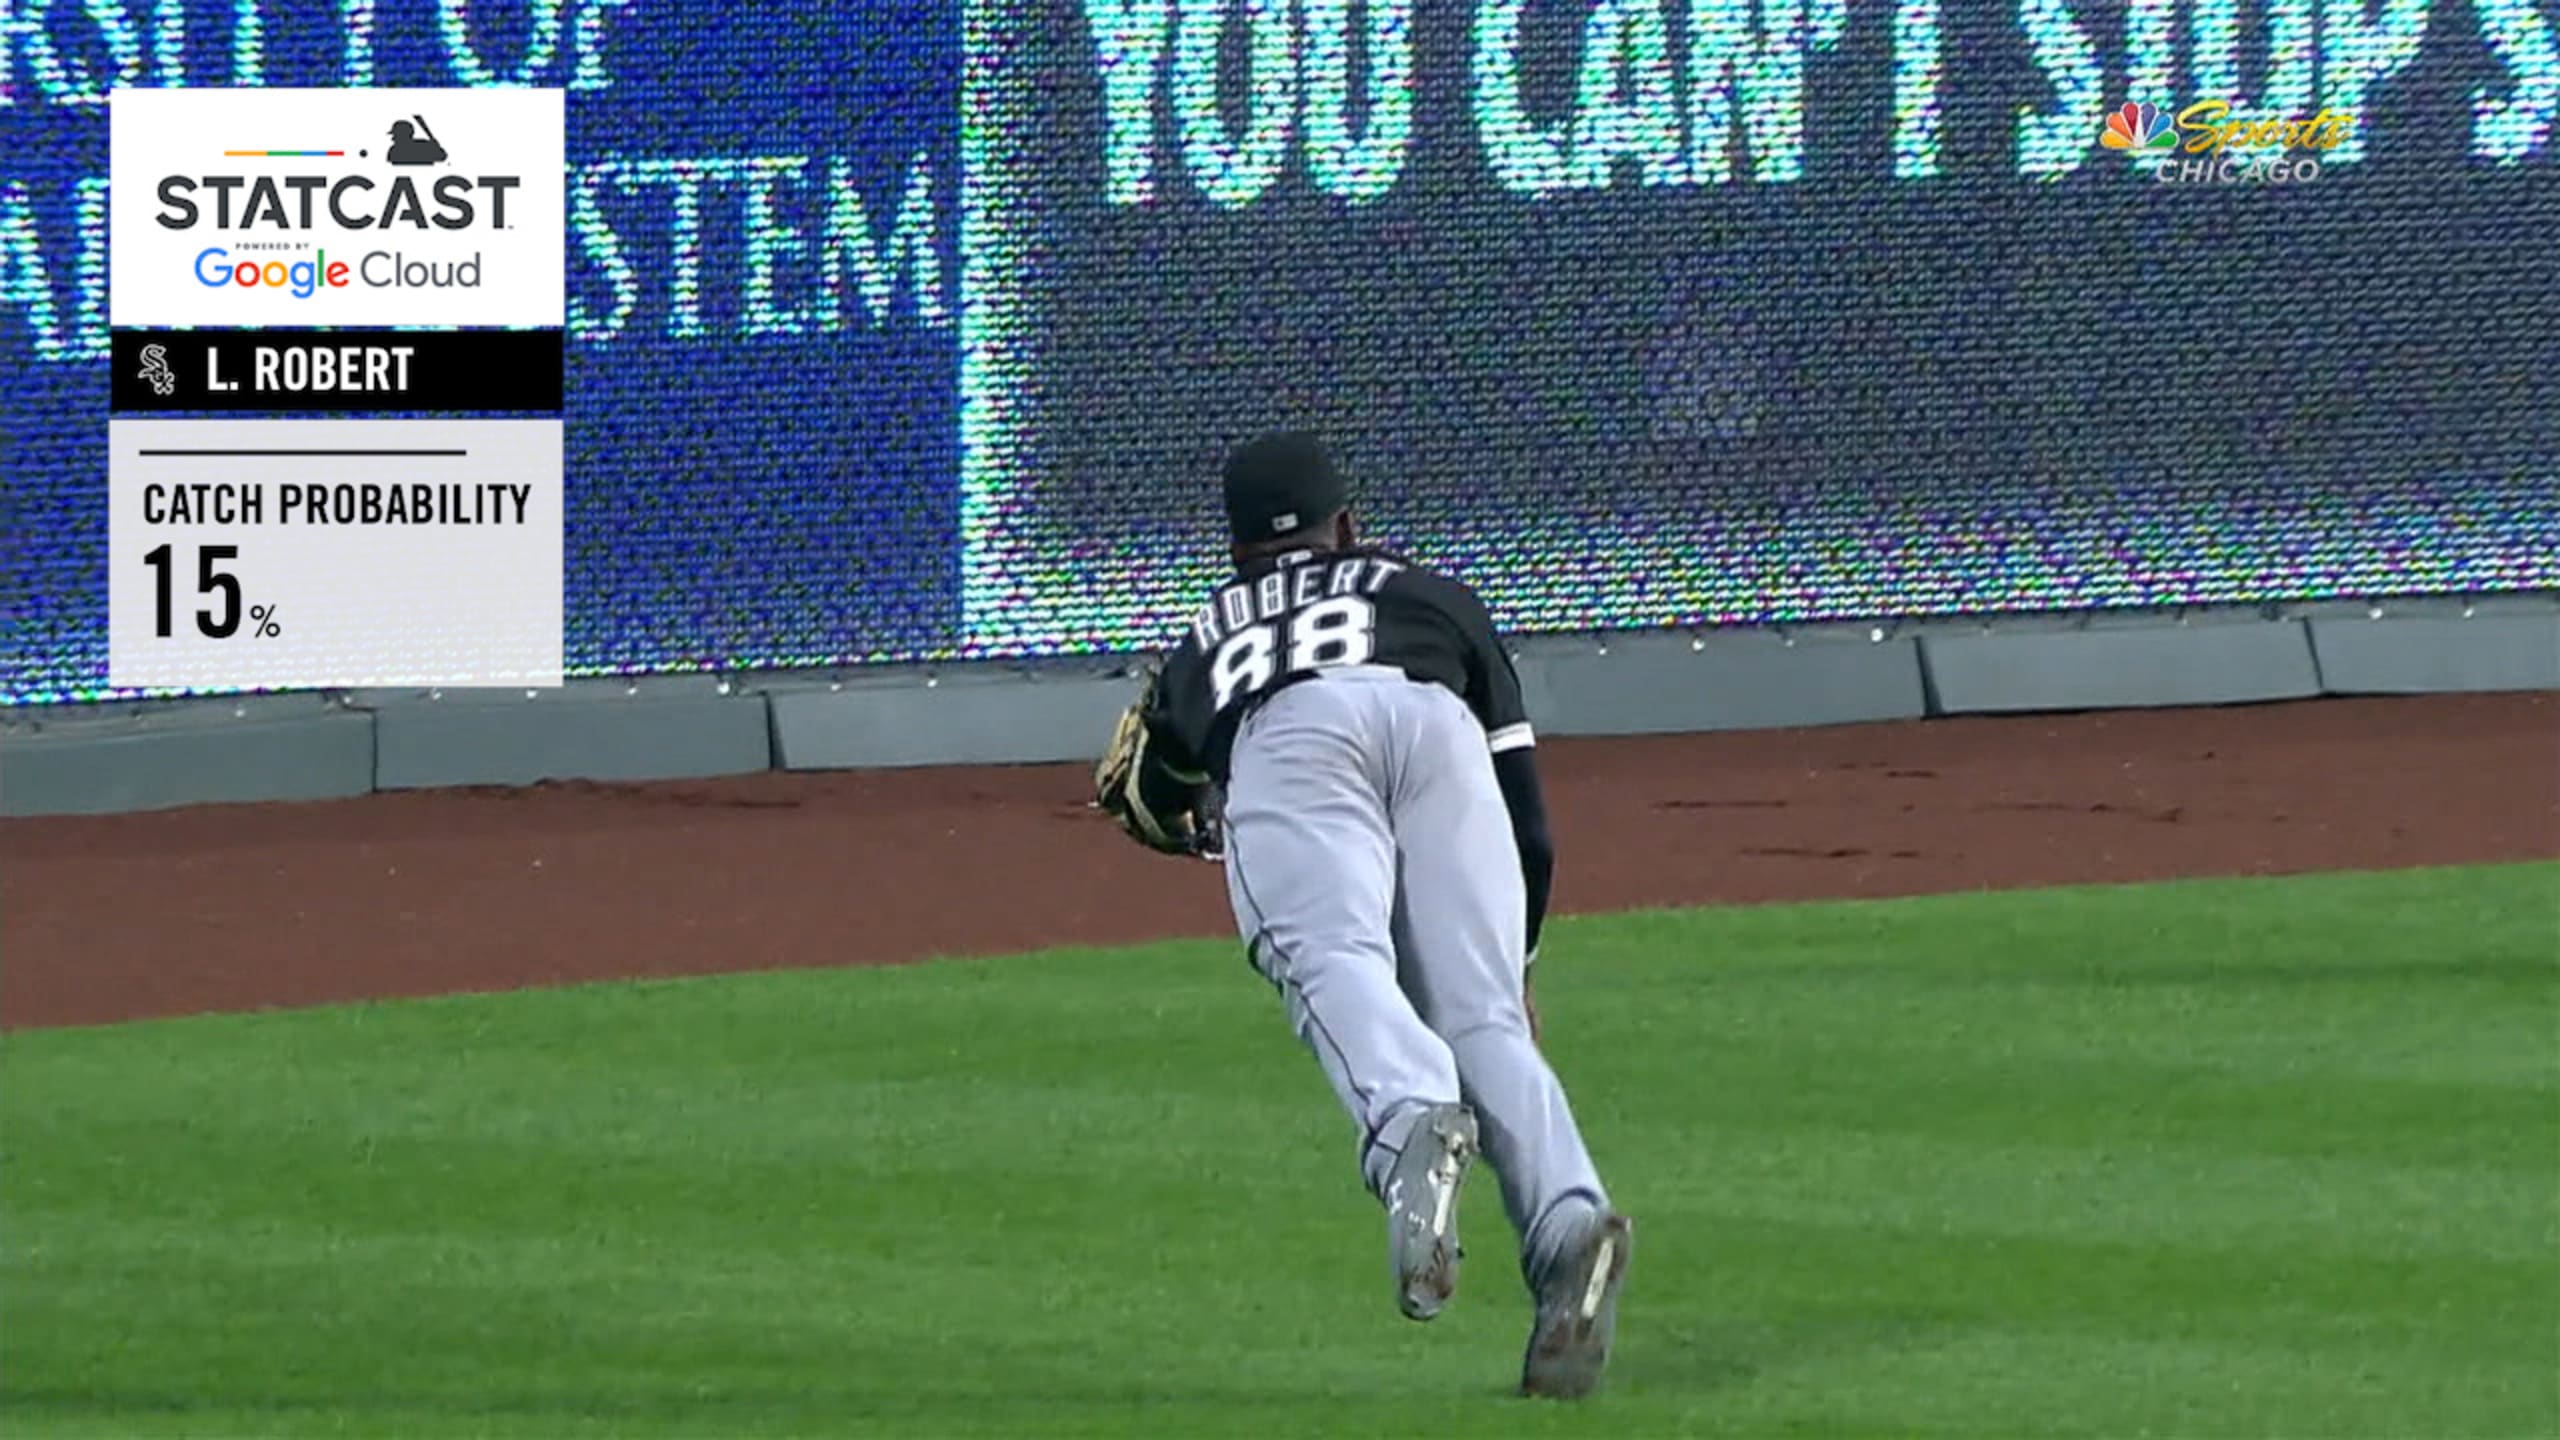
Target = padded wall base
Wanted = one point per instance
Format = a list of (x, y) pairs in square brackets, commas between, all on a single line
[(966, 717), (661, 728), (85, 761), (104, 758), (2430, 654), (2220, 662), (1647, 684)]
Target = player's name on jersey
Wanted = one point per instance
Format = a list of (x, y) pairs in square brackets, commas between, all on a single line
[(1297, 584), (338, 371)]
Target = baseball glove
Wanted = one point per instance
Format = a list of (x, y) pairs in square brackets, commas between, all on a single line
[(1166, 810)]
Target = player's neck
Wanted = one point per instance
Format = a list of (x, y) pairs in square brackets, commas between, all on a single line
[(1282, 559)]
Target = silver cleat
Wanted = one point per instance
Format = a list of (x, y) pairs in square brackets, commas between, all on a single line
[(1422, 1209), (1578, 1311)]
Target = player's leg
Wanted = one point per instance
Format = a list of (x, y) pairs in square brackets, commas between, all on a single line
[(1311, 870), (1461, 923)]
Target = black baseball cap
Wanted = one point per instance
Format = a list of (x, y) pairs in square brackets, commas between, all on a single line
[(1281, 483)]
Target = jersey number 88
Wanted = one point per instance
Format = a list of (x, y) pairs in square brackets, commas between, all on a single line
[(1337, 631)]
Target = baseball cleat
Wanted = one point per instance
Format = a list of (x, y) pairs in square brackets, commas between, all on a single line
[(1422, 1209), (1578, 1312)]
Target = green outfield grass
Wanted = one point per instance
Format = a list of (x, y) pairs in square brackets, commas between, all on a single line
[(2249, 1158)]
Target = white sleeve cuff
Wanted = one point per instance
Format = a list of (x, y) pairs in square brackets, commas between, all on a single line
[(1512, 737)]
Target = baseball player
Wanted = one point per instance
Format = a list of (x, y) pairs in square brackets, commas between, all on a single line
[(1386, 853)]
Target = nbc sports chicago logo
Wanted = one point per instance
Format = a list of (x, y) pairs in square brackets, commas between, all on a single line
[(2210, 143), (441, 207)]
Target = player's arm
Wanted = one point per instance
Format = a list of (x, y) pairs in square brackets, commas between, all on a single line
[(1171, 777), (1493, 691), (1149, 780), (1517, 771), (1168, 786)]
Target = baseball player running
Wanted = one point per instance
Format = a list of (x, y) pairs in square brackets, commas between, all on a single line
[(1386, 853)]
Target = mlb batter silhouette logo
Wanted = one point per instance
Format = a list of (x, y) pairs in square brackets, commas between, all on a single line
[(414, 144)]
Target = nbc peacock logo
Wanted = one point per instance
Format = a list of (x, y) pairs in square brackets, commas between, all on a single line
[(2139, 128)]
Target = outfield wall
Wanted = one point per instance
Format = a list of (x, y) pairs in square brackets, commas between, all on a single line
[(900, 331), (903, 338), (66, 759)]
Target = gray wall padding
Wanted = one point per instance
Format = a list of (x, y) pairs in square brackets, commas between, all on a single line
[(664, 729), (143, 756), (2435, 654), (1660, 684), (962, 718), (1645, 684), (152, 758), (2099, 668)]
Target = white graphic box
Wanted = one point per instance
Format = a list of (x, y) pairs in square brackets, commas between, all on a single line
[(336, 208)]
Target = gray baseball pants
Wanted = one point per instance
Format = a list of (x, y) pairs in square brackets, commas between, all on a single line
[(1377, 885)]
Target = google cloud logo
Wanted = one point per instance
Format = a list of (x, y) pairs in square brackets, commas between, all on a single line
[(2138, 128)]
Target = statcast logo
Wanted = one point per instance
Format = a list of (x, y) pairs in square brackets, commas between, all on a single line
[(352, 202), (380, 270)]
